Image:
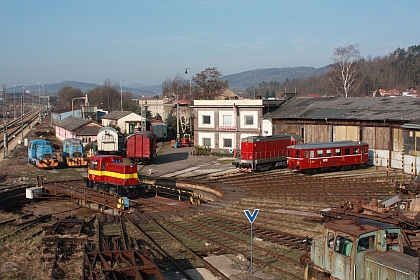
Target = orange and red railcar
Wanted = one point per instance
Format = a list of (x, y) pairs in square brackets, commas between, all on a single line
[(327, 155)]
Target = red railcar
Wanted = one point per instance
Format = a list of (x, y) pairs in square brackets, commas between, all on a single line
[(327, 155), (140, 146), (259, 153)]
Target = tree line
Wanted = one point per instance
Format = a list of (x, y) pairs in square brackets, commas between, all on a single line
[(351, 75)]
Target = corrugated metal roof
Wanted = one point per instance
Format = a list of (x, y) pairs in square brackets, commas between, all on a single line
[(359, 108), (72, 123), (116, 115)]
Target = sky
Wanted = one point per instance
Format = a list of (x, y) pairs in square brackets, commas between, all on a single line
[(148, 42)]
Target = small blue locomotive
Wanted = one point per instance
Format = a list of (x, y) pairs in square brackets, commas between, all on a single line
[(40, 154), (73, 152)]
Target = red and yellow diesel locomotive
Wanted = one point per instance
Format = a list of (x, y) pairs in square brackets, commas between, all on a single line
[(259, 153), (327, 155), (109, 173)]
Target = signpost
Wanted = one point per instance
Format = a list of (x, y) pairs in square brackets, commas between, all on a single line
[(251, 218)]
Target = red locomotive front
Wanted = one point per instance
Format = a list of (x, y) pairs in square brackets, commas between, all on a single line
[(327, 155), (260, 153), (109, 169)]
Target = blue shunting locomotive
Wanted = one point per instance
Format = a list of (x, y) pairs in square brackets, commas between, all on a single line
[(72, 153), (40, 154)]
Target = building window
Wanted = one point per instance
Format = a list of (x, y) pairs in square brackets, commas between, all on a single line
[(206, 119), (227, 120), (249, 120), (206, 142), (227, 143)]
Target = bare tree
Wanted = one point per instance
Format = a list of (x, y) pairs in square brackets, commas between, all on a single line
[(345, 75), (207, 84), (177, 87), (66, 95)]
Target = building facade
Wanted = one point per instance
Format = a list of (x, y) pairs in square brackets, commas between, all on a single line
[(220, 124)]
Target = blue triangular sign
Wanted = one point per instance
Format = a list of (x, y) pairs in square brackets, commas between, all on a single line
[(251, 217)]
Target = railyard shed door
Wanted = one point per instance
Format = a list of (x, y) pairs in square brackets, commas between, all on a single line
[(346, 133)]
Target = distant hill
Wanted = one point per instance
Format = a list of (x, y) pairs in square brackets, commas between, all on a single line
[(247, 79), (237, 82)]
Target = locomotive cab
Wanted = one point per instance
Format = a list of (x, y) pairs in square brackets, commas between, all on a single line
[(357, 248)]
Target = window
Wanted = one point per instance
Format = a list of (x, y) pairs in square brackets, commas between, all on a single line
[(347, 151), (338, 152), (343, 246), (365, 243), (330, 239), (227, 143), (320, 153), (329, 153), (206, 142), (298, 154), (356, 151), (306, 154), (249, 120), (312, 154), (206, 119), (93, 164), (227, 120)]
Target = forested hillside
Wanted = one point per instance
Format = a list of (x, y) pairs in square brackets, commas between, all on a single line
[(398, 70)]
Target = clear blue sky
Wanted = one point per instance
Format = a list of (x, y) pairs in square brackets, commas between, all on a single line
[(50, 41)]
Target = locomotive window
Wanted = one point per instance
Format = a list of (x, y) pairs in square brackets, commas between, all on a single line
[(365, 243), (93, 164), (356, 151), (338, 152), (330, 239), (298, 154), (343, 245), (103, 166), (320, 153), (305, 154), (347, 151), (329, 153), (312, 154)]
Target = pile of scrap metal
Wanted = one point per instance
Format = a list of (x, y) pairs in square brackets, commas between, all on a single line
[(394, 210)]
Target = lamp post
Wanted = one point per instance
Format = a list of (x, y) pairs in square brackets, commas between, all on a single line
[(14, 102), (186, 72), (39, 92), (23, 110), (121, 93)]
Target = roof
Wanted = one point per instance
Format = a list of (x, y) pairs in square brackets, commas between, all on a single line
[(355, 227), (353, 108), (116, 115), (332, 145), (72, 123), (91, 129), (228, 94)]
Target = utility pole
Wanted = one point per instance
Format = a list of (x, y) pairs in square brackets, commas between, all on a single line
[(5, 144)]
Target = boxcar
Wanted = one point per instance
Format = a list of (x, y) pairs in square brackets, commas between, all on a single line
[(40, 154), (140, 146), (109, 172), (72, 153), (360, 249), (259, 153), (327, 155), (108, 141)]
